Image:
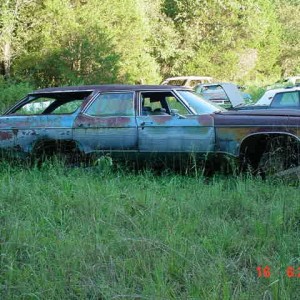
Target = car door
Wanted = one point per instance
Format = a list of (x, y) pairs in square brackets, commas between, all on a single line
[(107, 124), (165, 125)]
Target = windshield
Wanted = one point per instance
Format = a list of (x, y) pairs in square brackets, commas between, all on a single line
[(199, 105)]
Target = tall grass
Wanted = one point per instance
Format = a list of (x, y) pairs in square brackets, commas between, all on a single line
[(94, 234)]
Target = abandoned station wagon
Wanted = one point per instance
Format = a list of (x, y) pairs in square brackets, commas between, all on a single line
[(141, 121)]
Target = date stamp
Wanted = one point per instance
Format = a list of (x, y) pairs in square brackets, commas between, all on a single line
[(290, 272)]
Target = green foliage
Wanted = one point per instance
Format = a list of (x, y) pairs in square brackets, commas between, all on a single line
[(255, 92), (289, 59), (11, 92), (227, 40), (81, 233), (16, 23), (76, 62), (56, 42), (79, 47)]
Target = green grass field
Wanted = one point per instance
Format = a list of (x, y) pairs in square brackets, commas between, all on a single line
[(98, 234)]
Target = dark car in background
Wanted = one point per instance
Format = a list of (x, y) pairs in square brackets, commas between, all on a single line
[(223, 93), (143, 122)]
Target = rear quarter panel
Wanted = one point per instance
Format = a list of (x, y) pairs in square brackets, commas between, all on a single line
[(231, 130)]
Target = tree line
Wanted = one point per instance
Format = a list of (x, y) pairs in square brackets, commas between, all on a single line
[(59, 42)]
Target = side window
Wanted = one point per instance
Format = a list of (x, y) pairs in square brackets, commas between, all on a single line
[(51, 103), (286, 99), (112, 104), (176, 82), (35, 107), (161, 103), (68, 107), (150, 104), (193, 83), (176, 107)]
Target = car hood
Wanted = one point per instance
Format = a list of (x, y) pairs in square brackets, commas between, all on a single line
[(263, 112), (234, 95)]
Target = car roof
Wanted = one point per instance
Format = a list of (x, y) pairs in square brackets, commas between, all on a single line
[(189, 77), (283, 89), (108, 87), (290, 89)]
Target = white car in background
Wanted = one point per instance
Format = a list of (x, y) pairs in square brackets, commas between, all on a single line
[(288, 97)]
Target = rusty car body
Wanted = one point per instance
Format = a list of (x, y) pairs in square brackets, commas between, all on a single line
[(144, 121)]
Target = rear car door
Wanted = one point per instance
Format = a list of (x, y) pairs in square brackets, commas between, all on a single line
[(107, 124)]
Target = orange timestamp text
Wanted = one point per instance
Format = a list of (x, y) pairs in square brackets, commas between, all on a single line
[(290, 271)]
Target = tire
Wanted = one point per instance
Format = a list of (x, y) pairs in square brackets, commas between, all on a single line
[(281, 153), (67, 153)]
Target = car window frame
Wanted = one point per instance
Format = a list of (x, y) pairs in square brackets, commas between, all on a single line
[(173, 92), (32, 96), (96, 95), (285, 106)]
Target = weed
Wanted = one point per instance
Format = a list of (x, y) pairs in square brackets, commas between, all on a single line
[(81, 233)]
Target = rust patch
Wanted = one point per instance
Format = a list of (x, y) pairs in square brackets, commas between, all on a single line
[(87, 121), (205, 120), (4, 135), (239, 133), (161, 119)]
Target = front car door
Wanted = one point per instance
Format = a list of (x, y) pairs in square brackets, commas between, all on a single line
[(107, 124), (166, 125)]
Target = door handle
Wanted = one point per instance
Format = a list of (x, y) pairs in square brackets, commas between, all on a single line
[(146, 123)]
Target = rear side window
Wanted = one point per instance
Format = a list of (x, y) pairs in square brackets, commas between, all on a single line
[(35, 107), (176, 82), (112, 104), (287, 99), (50, 103)]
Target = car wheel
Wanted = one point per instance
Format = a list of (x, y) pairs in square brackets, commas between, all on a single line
[(280, 155)]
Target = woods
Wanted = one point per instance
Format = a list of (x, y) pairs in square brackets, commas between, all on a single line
[(54, 42)]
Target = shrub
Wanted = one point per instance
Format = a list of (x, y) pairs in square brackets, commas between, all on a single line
[(11, 92)]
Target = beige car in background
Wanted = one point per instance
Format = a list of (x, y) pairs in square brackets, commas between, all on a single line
[(188, 81)]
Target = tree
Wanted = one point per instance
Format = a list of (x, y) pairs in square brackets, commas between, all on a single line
[(77, 46), (66, 49), (288, 14), (126, 23), (216, 36), (13, 27)]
